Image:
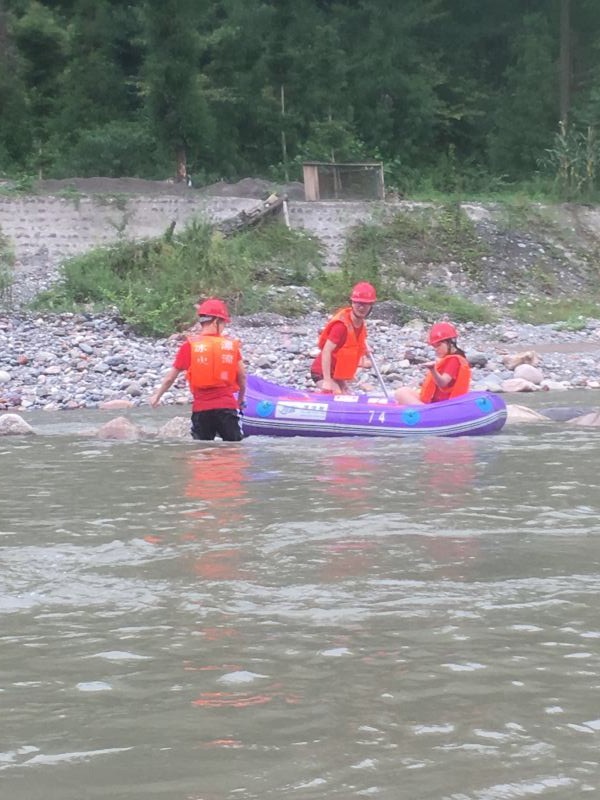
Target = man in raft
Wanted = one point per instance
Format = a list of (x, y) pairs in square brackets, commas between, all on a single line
[(448, 376), (343, 342), (215, 372)]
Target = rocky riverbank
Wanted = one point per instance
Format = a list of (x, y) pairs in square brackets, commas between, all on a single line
[(72, 361)]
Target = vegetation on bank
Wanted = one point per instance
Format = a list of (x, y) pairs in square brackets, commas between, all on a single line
[(6, 269), (154, 285)]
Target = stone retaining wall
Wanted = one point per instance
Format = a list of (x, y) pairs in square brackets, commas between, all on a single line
[(46, 229)]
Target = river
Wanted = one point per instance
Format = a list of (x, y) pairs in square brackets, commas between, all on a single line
[(404, 620)]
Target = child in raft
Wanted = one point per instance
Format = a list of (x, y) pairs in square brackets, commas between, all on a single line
[(448, 376)]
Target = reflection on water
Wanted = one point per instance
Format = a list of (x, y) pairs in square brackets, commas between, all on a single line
[(339, 619)]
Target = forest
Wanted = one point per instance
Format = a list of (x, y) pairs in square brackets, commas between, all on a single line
[(452, 96)]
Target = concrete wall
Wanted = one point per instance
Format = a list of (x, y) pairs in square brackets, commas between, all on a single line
[(46, 229)]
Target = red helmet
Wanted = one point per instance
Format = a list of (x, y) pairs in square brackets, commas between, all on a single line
[(363, 293), (213, 308), (442, 331)]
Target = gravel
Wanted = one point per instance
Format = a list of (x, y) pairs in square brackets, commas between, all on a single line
[(70, 361)]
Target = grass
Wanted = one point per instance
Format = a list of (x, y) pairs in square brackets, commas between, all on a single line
[(570, 313), (23, 184), (391, 254), (431, 235), (154, 285), (439, 305), (7, 259)]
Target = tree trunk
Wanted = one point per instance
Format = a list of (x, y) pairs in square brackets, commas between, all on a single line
[(181, 164), (565, 59)]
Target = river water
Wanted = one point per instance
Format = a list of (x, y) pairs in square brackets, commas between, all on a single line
[(305, 619)]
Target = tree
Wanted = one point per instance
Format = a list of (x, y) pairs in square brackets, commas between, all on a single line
[(174, 86), (394, 75), (527, 111), (15, 139), (42, 43)]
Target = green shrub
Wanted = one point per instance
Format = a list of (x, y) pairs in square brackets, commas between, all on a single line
[(155, 284), (7, 259)]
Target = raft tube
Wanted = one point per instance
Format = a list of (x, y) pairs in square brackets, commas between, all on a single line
[(273, 410)]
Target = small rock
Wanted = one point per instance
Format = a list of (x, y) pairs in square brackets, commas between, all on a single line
[(518, 385), (114, 404), (101, 366), (509, 336), (477, 360), (133, 390), (528, 357)]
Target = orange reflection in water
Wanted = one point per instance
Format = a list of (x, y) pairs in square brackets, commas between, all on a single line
[(217, 477), (220, 565), (449, 471), (241, 699), (233, 699), (347, 477), (214, 484)]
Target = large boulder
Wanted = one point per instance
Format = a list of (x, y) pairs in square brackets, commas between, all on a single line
[(529, 373), (13, 424), (591, 420), (119, 429), (176, 428), (515, 413)]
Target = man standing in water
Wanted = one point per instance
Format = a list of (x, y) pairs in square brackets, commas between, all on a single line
[(215, 371), (343, 342)]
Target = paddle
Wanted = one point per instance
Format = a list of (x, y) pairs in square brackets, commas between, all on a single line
[(378, 373)]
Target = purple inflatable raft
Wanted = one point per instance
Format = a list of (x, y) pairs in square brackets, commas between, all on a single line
[(274, 410)]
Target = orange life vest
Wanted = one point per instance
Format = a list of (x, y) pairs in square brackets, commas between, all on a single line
[(460, 386), (214, 362), (350, 353)]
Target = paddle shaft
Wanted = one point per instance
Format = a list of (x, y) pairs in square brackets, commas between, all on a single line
[(378, 373)]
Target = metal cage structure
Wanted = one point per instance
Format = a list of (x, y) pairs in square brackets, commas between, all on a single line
[(350, 181)]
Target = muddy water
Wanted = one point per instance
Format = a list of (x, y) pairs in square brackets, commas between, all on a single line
[(389, 619)]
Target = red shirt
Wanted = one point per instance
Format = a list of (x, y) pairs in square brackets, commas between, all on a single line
[(204, 399), (451, 367), (338, 335)]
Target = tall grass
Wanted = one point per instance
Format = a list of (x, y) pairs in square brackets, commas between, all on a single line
[(6, 270), (154, 285)]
